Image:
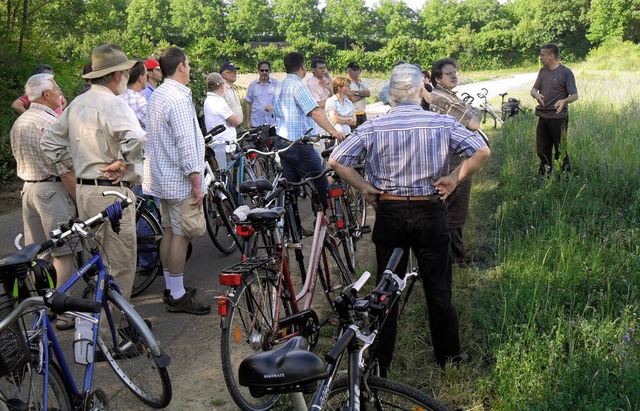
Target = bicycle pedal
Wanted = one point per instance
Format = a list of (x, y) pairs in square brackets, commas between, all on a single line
[(365, 229), (295, 246)]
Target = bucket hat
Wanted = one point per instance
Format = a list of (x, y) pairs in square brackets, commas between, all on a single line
[(106, 59)]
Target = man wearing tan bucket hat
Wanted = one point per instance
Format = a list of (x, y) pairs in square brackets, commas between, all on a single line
[(100, 137)]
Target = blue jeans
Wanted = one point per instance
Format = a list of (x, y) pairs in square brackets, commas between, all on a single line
[(422, 226), (302, 161)]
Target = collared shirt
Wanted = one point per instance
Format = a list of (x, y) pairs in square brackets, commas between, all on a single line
[(25, 134), (175, 146), (138, 104), (360, 85), (97, 129), (445, 101), (217, 111), (148, 91), (260, 95), (343, 108), (293, 104), (318, 89), (25, 100), (233, 99), (407, 149)]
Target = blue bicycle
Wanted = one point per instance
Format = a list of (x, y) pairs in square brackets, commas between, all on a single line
[(34, 373)]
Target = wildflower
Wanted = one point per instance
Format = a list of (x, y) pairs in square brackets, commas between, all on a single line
[(626, 338), (630, 330)]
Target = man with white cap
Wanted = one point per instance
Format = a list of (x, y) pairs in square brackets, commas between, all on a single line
[(101, 138), (407, 158)]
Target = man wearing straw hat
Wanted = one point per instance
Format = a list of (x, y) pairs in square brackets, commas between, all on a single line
[(100, 137)]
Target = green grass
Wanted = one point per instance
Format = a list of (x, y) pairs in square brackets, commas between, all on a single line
[(549, 314)]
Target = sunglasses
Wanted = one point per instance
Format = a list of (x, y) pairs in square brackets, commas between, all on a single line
[(264, 70)]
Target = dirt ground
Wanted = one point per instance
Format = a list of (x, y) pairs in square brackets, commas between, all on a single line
[(10, 196)]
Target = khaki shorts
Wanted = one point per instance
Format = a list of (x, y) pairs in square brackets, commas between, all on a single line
[(46, 205), (183, 219)]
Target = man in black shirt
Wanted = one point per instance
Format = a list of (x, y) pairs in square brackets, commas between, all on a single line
[(554, 89)]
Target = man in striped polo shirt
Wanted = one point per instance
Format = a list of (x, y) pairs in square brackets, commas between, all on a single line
[(407, 160)]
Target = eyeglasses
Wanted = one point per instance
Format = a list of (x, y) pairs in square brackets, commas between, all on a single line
[(264, 70)]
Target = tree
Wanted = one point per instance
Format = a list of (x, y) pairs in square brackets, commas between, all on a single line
[(395, 18), (348, 19), (614, 18), (251, 20), (149, 18), (297, 18), (197, 18)]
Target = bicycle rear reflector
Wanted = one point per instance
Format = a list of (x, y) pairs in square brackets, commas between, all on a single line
[(245, 230), (222, 306), (230, 279)]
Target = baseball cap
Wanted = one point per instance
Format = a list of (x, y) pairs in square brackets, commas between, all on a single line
[(353, 66), (406, 77), (151, 64), (227, 65), (215, 78)]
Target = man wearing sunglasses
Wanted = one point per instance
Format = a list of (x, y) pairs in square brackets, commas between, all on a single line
[(259, 98), (359, 92)]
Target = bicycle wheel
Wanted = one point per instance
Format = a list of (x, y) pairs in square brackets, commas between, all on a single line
[(149, 264), (134, 361), (248, 328), (383, 394), (358, 206), (333, 274), (23, 388), (219, 224)]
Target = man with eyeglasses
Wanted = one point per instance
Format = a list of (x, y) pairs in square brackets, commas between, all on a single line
[(229, 73), (154, 77), (359, 93), (259, 98)]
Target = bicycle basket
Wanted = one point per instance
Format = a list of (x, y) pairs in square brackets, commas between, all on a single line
[(14, 352)]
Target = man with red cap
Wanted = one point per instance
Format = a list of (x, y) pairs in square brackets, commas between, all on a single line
[(154, 76)]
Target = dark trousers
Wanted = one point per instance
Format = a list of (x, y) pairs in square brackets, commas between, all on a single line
[(457, 210), (422, 226), (302, 161), (550, 134)]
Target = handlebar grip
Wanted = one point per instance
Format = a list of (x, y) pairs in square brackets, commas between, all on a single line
[(395, 259), (338, 348), (46, 245), (59, 303), (216, 130)]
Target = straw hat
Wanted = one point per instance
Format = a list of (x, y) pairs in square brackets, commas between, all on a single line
[(106, 59)]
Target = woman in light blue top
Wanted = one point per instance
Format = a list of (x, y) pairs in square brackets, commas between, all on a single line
[(339, 108)]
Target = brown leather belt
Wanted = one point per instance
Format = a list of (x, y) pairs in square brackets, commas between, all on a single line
[(106, 183), (388, 197)]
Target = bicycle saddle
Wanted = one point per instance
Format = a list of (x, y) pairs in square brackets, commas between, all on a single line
[(290, 368), (259, 185), (262, 214), (24, 256)]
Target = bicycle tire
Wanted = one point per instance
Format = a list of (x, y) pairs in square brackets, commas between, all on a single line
[(387, 395), (220, 226), (144, 373), (333, 274), (248, 329), (358, 206), (25, 386), (149, 248)]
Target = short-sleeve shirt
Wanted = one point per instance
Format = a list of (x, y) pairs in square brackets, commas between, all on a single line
[(361, 85), (259, 96), (25, 100), (233, 100), (293, 104), (216, 112), (318, 90), (445, 101), (407, 149), (554, 85), (343, 108)]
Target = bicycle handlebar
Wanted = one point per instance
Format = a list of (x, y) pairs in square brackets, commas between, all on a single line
[(56, 301), (113, 213)]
